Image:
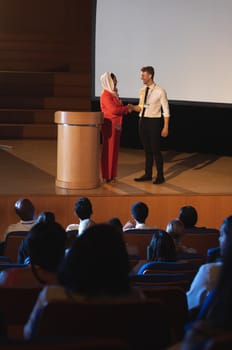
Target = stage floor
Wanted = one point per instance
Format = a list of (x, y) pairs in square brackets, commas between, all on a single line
[(29, 167)]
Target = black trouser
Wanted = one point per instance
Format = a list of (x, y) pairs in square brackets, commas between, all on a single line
[(150, 133)]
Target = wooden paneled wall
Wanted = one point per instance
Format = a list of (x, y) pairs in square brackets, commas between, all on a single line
[(45, 64), (39, 35), (212, 209)]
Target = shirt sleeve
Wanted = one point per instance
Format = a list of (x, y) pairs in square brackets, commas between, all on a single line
[(198, 288), (111, 105), (164, 104)]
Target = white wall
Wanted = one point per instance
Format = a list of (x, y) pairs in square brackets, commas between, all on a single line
[(189, 42)]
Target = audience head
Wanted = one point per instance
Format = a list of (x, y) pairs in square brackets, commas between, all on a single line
[(46, 243), (25, 209), (188, 215), (139, 211), (225, 238), (175, 228), (46, 217), (97, 263), (116, 223), (83, 208), (162, 247)]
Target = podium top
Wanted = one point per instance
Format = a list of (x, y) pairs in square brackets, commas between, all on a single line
[(78, 118)]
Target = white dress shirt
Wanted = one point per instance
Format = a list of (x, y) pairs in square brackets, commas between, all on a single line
[(156, 98), (205, 280)]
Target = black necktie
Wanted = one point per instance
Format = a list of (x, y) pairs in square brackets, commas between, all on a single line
[(145, 100)]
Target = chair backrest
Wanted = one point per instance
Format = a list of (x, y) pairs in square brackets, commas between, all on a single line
[(141, 324), (153, 267), (16, 305), (176, 301), (161, 279), (201, 242), (64, 344), (4, 260), (138, 240), (13, 240)]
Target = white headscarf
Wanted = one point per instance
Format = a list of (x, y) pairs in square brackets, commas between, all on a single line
[(107, 82)]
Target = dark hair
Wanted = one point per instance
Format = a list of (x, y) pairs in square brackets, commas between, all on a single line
[(25, 209), (140, 211), (175, 228), (149, 70), (83, 208), (116, 223), (188, 215), (46, 216), (97, 263), (221, 307), (46, 244), (112, 75), (162, 247)]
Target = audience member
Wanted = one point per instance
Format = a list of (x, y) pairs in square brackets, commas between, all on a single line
[(96, 266), (139, 212), (217, 319), (208, 274), (175, 228), (46, 245), (161, 247), (24, 251), (46, 217), (116, 223), (25, 210), (188, 215), (83, 210)]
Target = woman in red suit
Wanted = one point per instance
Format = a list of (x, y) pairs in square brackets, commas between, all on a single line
[(113, 110)]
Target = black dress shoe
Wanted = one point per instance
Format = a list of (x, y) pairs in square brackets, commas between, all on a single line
[(143, 178), (159, 180)]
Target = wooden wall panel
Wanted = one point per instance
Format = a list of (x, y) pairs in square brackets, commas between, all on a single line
[(212, 209), (52, 35)]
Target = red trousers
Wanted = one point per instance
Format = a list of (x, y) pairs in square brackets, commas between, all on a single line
[(111, 132)]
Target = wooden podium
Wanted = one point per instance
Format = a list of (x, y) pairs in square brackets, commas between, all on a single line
[(78, 149)]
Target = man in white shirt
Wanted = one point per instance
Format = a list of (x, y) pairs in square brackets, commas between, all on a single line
[(152, 99), (139, 213), (83, 210), (25, 210)]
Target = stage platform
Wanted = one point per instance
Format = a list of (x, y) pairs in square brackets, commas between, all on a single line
[(28, 168)]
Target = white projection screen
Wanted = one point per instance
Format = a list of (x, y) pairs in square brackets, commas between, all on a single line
[(189, 43)]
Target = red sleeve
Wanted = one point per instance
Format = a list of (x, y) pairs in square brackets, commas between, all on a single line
[(111, 105)]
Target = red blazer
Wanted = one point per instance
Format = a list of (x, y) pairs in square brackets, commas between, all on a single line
[(111, 105)]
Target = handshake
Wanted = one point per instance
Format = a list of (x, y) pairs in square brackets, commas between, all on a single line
[(131, 108)]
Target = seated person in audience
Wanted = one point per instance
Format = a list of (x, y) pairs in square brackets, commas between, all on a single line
[(46, 245), (24, 251), (96, 267), (217, 317), (139, 212), (188, 215), (176, 229), (161, 248), (208, 274), (25, 210), (116, 223), (83, 210)]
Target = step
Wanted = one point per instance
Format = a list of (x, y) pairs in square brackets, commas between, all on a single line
[(58, 103), (27, 116), (28, 131), (44, 84)]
